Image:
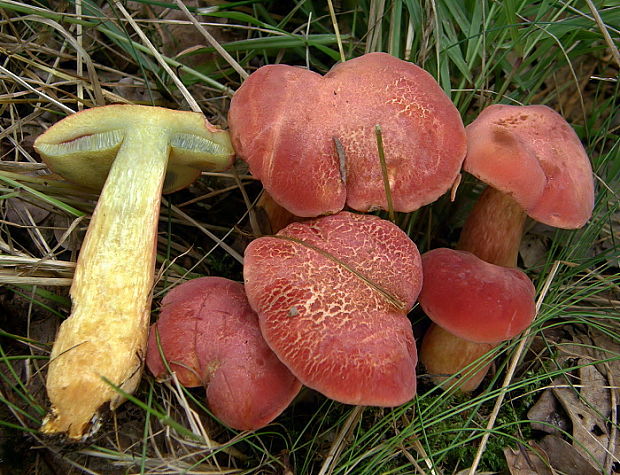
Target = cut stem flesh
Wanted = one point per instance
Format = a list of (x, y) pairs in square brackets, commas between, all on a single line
[(106, 337)]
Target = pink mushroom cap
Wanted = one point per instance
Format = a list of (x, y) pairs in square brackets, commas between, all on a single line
[(473, 299), (534, 155), (285, 122), (210, 337), (332, 296)]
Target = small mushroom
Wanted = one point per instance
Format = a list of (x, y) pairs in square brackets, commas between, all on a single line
[(534, 164), (132, 152), (209, 336), (474, 306), (332, 296), (312, 139)]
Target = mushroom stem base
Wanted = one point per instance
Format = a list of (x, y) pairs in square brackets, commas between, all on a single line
[(494, 228), (453, 362)]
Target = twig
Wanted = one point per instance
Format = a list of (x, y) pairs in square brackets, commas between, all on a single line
[(511, 371), (220, 242), (50, 99), (332, 14), (384, 173), (613, 433), (601, 25)]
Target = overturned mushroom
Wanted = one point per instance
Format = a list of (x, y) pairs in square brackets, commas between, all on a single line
[(332, 296), (209, 335), (132, 152), (311, 139)]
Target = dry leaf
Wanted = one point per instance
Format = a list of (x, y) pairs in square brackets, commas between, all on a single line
[(69, 235), (564, 458), (533, 251), (23, 212), (524, 461), (547, 415), (589, 410), (605, 348)]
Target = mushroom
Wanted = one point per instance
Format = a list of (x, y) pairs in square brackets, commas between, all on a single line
[(474, 305), (209, 336), (312, 140), (332, 296), (534, 164), (132, 152)]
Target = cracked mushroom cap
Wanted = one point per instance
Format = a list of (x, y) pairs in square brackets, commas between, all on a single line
[(473, 299), (210, 337), (83, 146), (311, 139), (332, 296), (534, 155)]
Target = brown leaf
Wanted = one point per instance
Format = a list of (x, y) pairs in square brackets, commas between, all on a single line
[(524, 461), (547, 415), (23, 212), (564, 457), (533, 251), (588, 409)]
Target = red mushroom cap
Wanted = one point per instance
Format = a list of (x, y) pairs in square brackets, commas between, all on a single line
[(285, 120), (473, 299), (533, 154), (332, 296), (210, 337)]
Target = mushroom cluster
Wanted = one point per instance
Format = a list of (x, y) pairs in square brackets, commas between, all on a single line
[(534, 165), (325, 300)]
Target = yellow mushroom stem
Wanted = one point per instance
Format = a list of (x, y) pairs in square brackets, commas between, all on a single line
[(102, 344), (111, 290)]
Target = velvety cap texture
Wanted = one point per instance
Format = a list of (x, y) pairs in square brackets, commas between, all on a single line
[(534, 155), (473, 299), (311, 139), (210, 337)]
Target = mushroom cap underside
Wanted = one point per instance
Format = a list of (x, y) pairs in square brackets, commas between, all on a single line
[(82, 147)]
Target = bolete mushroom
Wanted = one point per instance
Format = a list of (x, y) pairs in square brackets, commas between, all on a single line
[(312, 139), (332, 296), (534, 164), (132, 152), (474, 305), (209, 336)]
